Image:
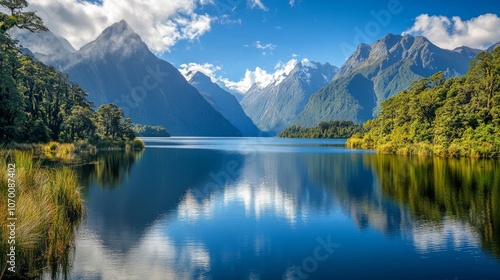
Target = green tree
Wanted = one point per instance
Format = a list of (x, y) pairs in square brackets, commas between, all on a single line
[(80, 124), (456, 117), (108, 120), (17, 17)]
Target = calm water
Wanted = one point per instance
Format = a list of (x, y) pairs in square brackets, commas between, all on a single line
[(228, 208)]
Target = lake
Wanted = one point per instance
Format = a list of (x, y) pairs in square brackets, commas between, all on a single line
[(270, 208)]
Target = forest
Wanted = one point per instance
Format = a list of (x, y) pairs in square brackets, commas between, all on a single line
[(453, 117), (40, 104), (150, 130), (325, 129)]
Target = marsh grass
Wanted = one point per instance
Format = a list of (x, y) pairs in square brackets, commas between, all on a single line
[(49, 207)]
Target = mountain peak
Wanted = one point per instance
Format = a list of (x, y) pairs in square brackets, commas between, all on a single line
[(117, 38), (389, 37), (309, 64), (198, 77), (119, 27)]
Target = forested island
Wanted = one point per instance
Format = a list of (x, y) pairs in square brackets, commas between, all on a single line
[(452, 117), (326, 129)]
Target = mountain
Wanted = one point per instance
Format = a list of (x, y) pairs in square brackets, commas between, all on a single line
[(469, 52), (46, 43), (119, 68), (490, 49), (274, 107), (378, 71), (224, 102)]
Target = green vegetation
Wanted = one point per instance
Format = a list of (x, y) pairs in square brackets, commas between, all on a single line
[(437, 189), (39, 104), (329, 129), (455, 117), (150, 130), (49, 207)]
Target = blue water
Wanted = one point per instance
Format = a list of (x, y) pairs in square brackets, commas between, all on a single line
[(270, 208)]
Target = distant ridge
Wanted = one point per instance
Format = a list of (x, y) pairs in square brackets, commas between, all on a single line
[(274, 107), (225, 103), (378, 71), (118, 68)]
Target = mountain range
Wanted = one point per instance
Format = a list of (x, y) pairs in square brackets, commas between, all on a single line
[(224, 102), (275, 106), (378, 71), (119, 68)]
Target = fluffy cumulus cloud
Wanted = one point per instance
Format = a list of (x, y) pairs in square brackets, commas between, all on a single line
[(258, 76), (479, 32), (189, 69), (161, 24)]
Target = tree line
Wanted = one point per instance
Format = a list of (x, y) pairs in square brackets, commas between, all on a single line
[(325, 129), (150, 130), (455, 117), (39, 103)]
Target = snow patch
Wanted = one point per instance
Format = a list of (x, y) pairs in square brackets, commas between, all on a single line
[(306, 63)]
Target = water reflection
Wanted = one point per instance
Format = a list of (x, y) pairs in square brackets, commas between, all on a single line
[(187, 213), (443, 191), (107, 169)]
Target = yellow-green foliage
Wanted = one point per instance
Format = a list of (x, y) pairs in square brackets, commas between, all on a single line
[(433, 188), (458, 117), (137, 144), (48, 208)]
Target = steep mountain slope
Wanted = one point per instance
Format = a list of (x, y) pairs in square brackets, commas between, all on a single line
[(378, 71), (41, 42), (119, 68), (274, 107), (224, 102), (494, 46)]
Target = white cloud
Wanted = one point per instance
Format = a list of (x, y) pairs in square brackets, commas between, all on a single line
[(257, 4), (226, 20), (258, 45), (479, 32), (161, 24), (260, 77), (189, 69), (265, 48), (292, 3)]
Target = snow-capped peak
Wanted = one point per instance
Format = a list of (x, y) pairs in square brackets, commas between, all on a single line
[(308, 64)]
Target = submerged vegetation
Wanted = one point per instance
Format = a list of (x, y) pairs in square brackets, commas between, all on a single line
[(455, 117), (329, 129), (49, 206)]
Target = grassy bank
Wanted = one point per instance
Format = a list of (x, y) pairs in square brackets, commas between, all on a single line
[(474, 148), (48, 207), (67, 150)]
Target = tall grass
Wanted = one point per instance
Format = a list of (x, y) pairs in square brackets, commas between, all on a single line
[(48, 208)]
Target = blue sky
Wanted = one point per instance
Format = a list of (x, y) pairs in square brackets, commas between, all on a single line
[(234, 40), (310, 29)]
